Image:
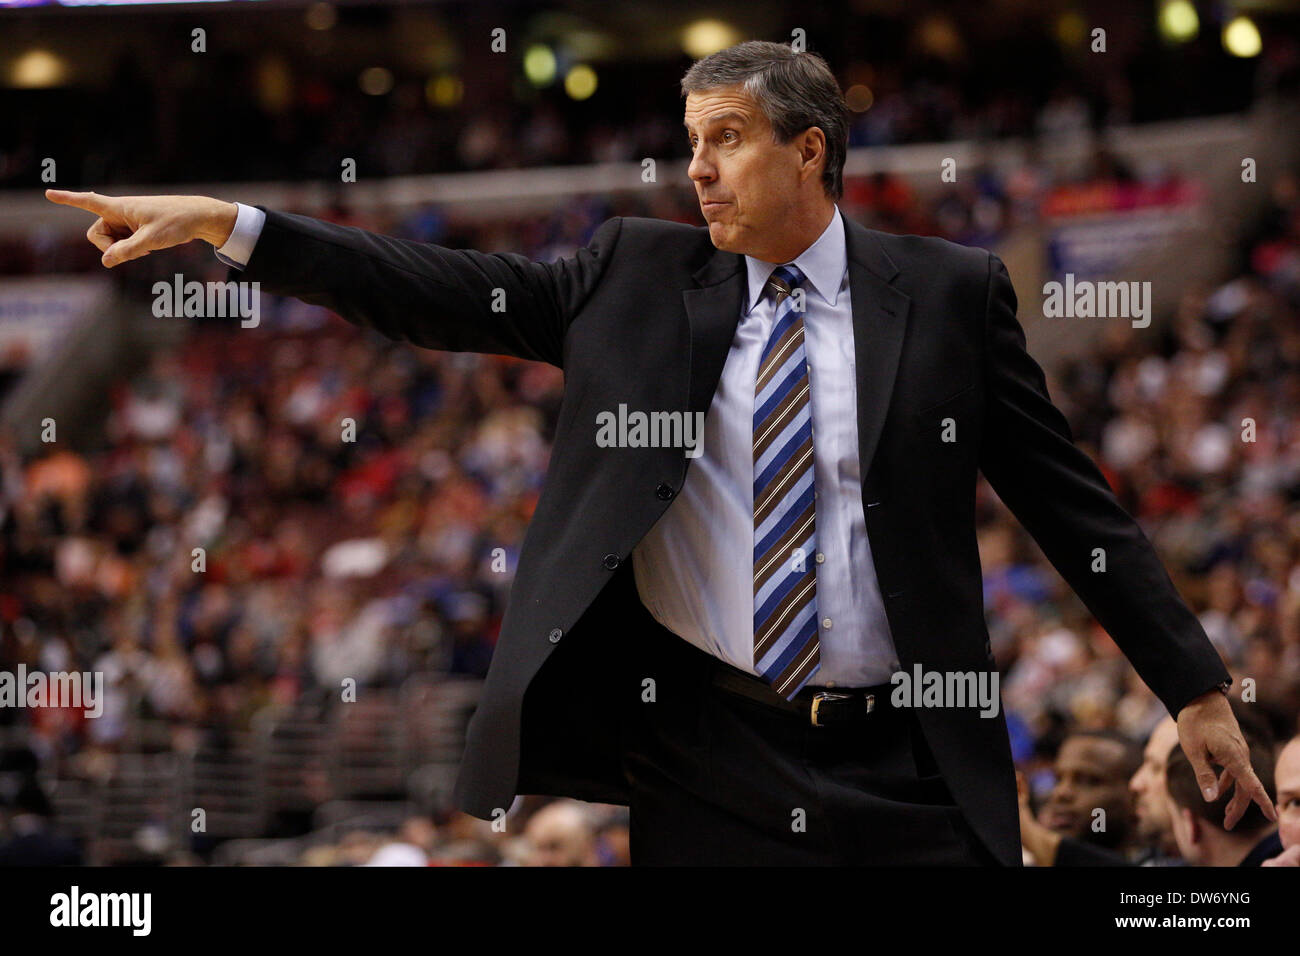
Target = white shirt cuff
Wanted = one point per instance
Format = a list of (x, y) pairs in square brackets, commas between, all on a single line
[(239, 247)]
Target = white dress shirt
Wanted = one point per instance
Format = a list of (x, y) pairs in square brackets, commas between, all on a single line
[(239, 246), (694, 569)]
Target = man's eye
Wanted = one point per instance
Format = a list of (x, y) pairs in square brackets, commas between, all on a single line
[(729, 133)]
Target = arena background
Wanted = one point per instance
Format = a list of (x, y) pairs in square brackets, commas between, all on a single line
[(1171, 157)]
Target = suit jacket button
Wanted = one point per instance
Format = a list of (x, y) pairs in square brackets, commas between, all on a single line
[(664, 491), (611, 561), (555, 635)]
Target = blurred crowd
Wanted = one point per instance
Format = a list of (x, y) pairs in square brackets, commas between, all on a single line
[(935, 78), (391, 552), (1198, 432), (979, 209)]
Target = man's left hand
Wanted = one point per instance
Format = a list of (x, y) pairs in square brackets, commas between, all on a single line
[(1208, 733)]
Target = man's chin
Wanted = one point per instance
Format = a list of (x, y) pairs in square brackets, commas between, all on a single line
[(1151, 835), (1066, 826), (721, 237)]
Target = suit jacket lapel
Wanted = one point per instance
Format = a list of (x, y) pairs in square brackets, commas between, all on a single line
[(879, 321), (714, 313)]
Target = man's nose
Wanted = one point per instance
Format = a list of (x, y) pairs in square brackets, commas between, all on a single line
[(700, 168)]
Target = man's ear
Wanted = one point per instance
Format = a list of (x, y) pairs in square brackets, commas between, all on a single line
[(1183, 823), (812, 143)]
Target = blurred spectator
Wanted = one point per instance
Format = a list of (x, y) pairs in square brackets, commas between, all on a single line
[(1091, 801), (1286, 776), (1150, 804), (1153, 843), (1198, 823), (560, 834), (28, 839), (414, 843)]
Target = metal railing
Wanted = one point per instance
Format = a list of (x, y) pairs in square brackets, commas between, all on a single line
[(391, 753)]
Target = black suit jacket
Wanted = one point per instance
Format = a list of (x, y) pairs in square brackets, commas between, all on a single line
[(645, 315)]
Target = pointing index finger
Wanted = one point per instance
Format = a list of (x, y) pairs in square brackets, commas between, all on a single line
[(91, 202)]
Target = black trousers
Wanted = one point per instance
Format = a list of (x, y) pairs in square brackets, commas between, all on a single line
[(717, 779)]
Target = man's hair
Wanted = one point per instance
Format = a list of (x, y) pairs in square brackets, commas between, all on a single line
[(1180, 778), (1131, 751), (795, 91)]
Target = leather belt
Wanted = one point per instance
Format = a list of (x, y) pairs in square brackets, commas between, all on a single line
[(818, 706)]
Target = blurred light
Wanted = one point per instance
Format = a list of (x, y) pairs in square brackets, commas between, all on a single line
[(859, 72), (586, 44), (375, 80), (1071, 29), (274, 84), (580, 82), (444, 91), (36, 69), (1241, 37), (439, 54), (321, 16), (539, 65), (938, 36), (703, 37), (859, 98), (1178, 21)]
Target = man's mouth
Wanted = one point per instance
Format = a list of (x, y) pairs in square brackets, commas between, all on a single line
[(1057, 819)]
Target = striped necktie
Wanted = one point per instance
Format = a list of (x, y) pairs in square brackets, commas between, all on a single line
[(786, 650)]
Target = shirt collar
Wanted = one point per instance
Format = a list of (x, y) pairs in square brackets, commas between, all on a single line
[(823, 264)]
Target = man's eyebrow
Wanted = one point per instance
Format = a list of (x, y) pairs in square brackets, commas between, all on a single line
[(713, 120)]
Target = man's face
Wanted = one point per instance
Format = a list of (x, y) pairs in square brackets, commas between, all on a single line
[(554, 839), (1148, 785), (1090, 774), (756, 182), (1287, 778)]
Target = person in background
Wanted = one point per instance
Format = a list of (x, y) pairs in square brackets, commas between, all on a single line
[(1153, 841), (1093, 770), (1155, 831), (1199, 826), (1286, 776), (412, 845), (560, 834), (31, 838)]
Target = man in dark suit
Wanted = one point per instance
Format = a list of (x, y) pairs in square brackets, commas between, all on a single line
[(709, 627)]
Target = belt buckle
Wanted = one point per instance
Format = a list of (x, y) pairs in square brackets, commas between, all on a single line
[(817, 702)]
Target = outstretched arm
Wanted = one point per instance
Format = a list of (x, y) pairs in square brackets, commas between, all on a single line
[(1064, 501), (450, 299)]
